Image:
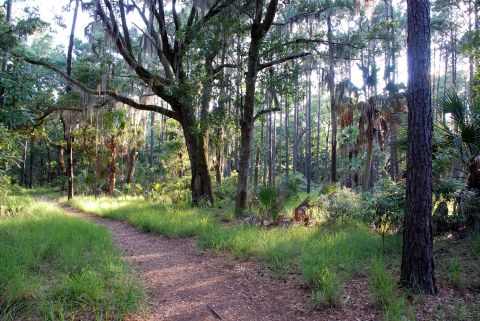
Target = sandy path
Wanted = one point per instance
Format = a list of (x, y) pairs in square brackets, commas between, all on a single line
[(186, 284)]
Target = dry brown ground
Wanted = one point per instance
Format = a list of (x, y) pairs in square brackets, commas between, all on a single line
[(184, 283)]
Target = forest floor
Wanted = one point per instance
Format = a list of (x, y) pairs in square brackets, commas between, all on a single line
[(185, 283)]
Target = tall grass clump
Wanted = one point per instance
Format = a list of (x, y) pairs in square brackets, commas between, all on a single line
[(384, 292), (55, 267)]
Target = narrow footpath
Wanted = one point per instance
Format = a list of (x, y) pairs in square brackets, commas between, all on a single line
[(184, 283)]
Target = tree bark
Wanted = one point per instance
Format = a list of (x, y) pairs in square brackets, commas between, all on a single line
[(70, 166), (200, 184), (287, 139), (152, 137), (417, 269), (32, 160), (331, 87), (24, 163), (308, 141), (131, 165), (112, 145)]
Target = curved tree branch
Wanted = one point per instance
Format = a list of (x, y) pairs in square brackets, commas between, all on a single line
[(113, 94)]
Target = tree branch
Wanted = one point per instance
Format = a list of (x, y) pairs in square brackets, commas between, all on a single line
[(265, 111), (128, 101), (283, 59)]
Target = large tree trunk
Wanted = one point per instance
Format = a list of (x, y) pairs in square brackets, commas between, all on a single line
[(201, 184), (417, 269)]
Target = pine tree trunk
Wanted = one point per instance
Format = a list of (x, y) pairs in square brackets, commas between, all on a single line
[(417, 269), (308, 152), (287, 139), (295, 135), (331, 87)]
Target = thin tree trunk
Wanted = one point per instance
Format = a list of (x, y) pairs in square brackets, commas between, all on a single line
[(112, 144), (131, 165), (417, 269), (317, 151), (70, 166), (287, 139), (8, 7), (295, 134), (152, 137), (32, 159), (331, 87), (257, 160), (24, 163), (308, 152)]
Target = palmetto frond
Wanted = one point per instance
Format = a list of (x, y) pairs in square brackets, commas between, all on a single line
[(452, 104), (464, 135)]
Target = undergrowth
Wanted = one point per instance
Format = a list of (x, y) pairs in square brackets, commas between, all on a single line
[(55, 267)]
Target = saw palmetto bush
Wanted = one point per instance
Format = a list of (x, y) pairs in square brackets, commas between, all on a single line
[(463, 133)]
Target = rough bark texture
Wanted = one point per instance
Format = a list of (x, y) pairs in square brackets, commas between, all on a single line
[(417, 270), (200, 184)]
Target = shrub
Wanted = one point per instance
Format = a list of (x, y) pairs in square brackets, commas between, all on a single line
[(342, 206), (384, 207)]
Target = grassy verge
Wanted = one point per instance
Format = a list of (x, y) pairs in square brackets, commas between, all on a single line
[(55, 267), (326, 258)]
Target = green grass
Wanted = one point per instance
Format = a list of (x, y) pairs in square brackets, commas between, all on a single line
[(55, 267), (384, 290), (326, 258)]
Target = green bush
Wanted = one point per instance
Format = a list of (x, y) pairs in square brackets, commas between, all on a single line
[(342, 206)]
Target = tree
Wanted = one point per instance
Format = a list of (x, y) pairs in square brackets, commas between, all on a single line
[(258, 30), (417, 269), (171, 50)]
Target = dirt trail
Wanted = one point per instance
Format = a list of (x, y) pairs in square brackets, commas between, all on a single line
[(184, 284)]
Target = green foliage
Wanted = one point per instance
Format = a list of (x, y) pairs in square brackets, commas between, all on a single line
[(384, 206), (53, 266), (384, 291), (464, 138), (342, 206), (452, 270)]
